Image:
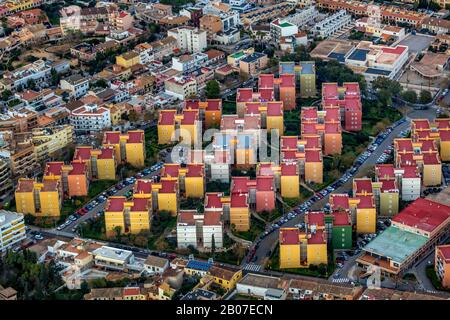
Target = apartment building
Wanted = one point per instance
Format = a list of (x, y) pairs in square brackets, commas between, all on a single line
[(303, 17), (200, 230), (101, 163), (189, 39), (73, 179), (442, 264), (90, 118), (127, 216), (38, 72), (210, 111), (51, 140), (253, 63), (22, 120), (268, 12), (156, 50), (414, 231), (332, 24), (181, 87), (348, 98), (239, 212), (129, 147), (12, 229), (38, 199), (6, 182), (188, 63), (76, 84)]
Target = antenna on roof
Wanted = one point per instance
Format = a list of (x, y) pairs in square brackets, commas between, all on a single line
[(191, 257)]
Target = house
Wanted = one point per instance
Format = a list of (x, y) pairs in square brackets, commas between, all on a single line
[(155, 265)]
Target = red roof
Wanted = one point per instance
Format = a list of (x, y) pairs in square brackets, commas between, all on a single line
[(421, 123), (315, 218), (265, 81), (266, 94), (309, 128), (365, 202), (189, 117), (239, 200), (385, 171), (244, 95), (106, 153), (131, 291), (309, 113), (396, 50), (115, 204), (135, 136), (289, 169), (239, 184), (389, 186), (212, 200), (170, 170), (289, 236), (78, 168), (289, 142), (252, 107), (444, 250), (274, 109), (339, 201), (112, 137), (341, 218), (431, 158), (404, 145), (313, 156), (312, 142), (191, 104), (212, 218), (82, 153), (410, 172), (332, 127), (265, 169), (287, 80), (214, 104), (53, 168), (264, 183), (143, 186), (167, 117), (423, 214), (363, 185), (194, 170), (140, 204), (317, 238), (168, 186)]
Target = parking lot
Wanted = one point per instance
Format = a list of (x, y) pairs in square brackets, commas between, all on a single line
[(417, 43)]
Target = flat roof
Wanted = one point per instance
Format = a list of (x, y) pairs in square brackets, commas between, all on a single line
[(113, 253), (396, 244)]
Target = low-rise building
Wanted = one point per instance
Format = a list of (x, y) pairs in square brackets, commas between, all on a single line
[(12, 229), (76, 84), (442, 265)]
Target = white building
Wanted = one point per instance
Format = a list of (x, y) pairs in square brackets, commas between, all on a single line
[(281, 29), (12, 229), (332, 24), (90, 118), (113, 258), (230, 19), (155, 265), (76, 84), (257, 285), (197, 229), (189, 63), (181, 87), (189, 38), (303, 17), (410, 182)]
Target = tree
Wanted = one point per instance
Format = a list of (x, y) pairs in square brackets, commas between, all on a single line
[(6, 94), (322, 269), (410, 96), (391, 86), (118, 231), (212, 89), (425, 97), (133, 116), (213, 245)]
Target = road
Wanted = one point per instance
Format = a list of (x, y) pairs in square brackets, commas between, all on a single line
[(269, 243)]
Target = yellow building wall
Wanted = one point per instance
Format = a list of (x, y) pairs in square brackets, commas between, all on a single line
[(308, 86), (188, 133), (240, 217), (135, 154), (165, 134), (245, 157), (317, 254), (212, 118), (50, 204), (333, 144), (168, 202), (314, 172), (112, 220), (366, 220), (290, 186), (432, 175), (127, 63), (116, 147), (106, 169), (389, 204), (229, 284), (445, 150), (194, 187), (275, 123), (139, 221), (290, 256), (25, 202)]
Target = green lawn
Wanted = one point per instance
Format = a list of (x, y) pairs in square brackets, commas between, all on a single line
[(256, 227), (431, 274)]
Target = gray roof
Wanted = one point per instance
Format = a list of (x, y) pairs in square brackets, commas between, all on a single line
[(156, 261)]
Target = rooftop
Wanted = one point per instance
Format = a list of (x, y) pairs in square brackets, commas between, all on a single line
[(396, 244)]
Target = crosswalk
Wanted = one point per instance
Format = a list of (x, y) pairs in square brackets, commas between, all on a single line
[(252, 267), (341, 280)]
